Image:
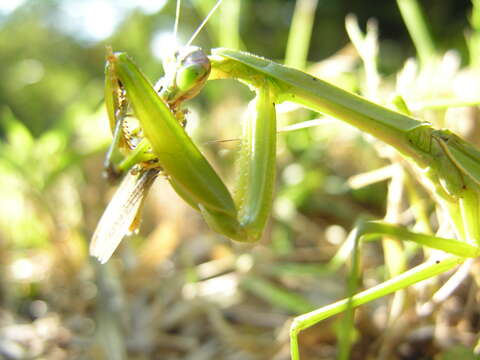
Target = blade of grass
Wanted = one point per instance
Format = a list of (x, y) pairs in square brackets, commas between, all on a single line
[(417, 27), (300, 33)]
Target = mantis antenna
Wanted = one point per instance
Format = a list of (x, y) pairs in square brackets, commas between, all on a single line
[(177, 17), (204, 22)]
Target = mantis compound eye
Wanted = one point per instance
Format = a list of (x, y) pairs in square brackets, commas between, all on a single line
[(193, 71), (186, 73), (188, 77)]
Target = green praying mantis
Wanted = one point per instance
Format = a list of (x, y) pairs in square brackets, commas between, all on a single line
[(149, 138)]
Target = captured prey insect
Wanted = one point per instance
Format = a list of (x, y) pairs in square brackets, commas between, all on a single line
[(448, 165)]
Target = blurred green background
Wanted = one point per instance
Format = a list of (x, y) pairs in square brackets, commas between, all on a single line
[(153, 301)]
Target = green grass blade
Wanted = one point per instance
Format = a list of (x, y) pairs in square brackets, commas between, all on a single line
[(300, 33), (417, 27)]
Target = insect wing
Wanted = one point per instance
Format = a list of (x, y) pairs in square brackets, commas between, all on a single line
[(121, 216)]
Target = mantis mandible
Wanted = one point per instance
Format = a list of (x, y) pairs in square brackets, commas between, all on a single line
[(446, 164)]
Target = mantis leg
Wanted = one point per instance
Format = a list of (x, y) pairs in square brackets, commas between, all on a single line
[(367, 231), (308, 91), (450, 166), (255, 183)]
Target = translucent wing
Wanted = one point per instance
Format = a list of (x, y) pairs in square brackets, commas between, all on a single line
[(122, 214)]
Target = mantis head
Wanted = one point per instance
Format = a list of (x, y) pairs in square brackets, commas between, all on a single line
[(187, 70)]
